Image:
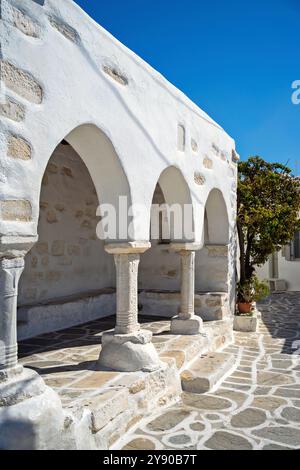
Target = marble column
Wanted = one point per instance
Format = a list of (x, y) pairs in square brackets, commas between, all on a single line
[(186, 323), (10, 273), (127, 293), (128, 348), (12, 254), (31, 414)]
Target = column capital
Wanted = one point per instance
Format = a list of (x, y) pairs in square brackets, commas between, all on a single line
[(185, 246), (16, 246), (126, 248)]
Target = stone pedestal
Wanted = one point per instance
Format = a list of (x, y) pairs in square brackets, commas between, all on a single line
[(246, 323), (129, 352), (128, 348), (31, 414), (187, 323)]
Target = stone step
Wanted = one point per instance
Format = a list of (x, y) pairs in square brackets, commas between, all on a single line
[(220, 333), (204, 373), (185, 349)]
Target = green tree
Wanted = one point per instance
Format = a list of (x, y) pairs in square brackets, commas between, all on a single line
[(268, 211)]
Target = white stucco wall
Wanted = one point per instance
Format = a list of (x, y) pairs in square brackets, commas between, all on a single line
[(62, 97), (289, 271), (65, 77)]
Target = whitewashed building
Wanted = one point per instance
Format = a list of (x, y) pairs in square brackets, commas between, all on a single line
[(83, 122), (283, 268)]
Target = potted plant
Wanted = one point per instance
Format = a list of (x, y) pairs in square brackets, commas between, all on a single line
[(250, 292)]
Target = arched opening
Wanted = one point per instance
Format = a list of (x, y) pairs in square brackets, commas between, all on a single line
[(69, 278), (159, 275), (211, 262)]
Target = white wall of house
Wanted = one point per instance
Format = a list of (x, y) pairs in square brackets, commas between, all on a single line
[(284, 265)]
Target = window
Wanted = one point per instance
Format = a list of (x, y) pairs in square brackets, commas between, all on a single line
[(181, 138)]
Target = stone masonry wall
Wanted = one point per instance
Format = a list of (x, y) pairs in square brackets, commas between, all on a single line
[(68, 258)]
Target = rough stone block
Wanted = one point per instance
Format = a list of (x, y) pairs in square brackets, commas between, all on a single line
[(65, 261), (215, 148), (66, 30), (67, 172), (53, 276), (44, 205), (52, 168), (129, 353), (214, 301), (41, 248), (51, 217), (207, 163), (215, 251), (115, 74), (16, 210), (235, 157), (17, 147), (10, 109), (58, 248), (137, 387), (74, 250), (178, 356), (20, 20), (21, 82), (206, 372), (194, 145), (45, 260), (199, 178), (59, 207), (191, 326)]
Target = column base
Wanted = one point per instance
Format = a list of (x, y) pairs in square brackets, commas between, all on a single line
[(189, 326), (31, 414), (129, 353)]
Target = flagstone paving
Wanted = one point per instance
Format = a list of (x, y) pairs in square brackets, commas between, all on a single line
[(256, 407)]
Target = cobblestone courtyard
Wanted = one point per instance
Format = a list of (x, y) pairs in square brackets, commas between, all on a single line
[(256, 407)]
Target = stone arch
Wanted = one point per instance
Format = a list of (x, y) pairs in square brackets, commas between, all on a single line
[(103, 164), (212, 260), (69, 278), (216, 222), (177, 194), (159, 277)]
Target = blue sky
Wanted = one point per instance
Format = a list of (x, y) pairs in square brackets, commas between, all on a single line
[(235, 59)]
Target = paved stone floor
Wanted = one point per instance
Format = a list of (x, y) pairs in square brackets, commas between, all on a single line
[(256, 407), (67, 359)]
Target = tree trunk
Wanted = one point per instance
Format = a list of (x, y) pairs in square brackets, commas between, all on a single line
[(248, 265), (242, 252)]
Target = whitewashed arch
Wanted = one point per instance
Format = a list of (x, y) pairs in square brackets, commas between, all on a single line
[(104, 166), (216, 222), (176, 191)]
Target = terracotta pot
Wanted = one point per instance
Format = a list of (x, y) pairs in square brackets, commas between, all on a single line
[(244, 307)]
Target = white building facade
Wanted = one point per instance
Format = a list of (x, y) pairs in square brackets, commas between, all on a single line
[(85, 122), (283, 268)]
